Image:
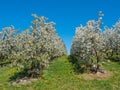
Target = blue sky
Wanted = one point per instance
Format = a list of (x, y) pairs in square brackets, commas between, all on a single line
[(67, 14)]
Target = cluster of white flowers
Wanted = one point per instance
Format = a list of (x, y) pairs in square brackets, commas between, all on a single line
[(88, 43), (91, 44), (112, 38), (38, 43)]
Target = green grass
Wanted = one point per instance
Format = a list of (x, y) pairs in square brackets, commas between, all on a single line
[(60, 76)]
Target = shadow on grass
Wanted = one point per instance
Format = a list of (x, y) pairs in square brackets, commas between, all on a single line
[(19, 75), (26, 73), (115, 58), (77, 69)]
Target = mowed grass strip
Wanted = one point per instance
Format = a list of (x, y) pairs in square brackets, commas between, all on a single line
[(60, 76)]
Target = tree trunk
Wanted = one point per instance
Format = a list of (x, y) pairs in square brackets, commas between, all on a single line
[(98, 59)]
